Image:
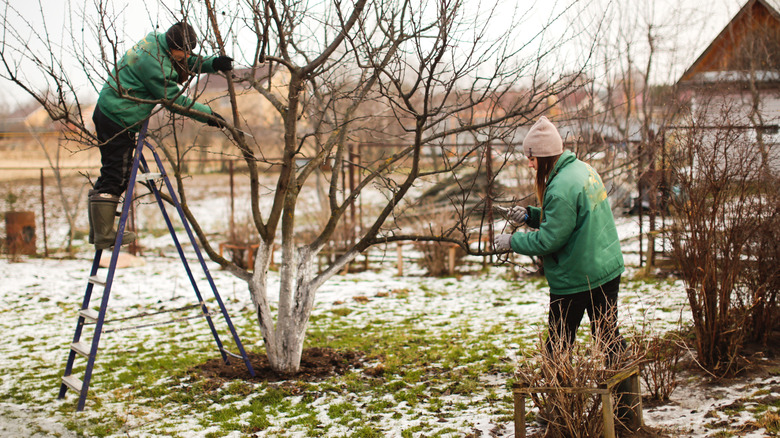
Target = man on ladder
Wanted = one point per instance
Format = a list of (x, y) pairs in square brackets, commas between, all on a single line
[(150, 71), (148, 74)]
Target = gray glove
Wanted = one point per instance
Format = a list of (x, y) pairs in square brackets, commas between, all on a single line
[(517, 215), (501, 242)]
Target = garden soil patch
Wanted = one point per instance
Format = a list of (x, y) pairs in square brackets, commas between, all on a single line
[(316, 364)]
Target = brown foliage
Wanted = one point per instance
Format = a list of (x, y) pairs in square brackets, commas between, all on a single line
[(724, 239), (570, 411), (435, 257), (662, 355)]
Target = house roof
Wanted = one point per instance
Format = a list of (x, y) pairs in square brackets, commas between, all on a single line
[(755, 17)]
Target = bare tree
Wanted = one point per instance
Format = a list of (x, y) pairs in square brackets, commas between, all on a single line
[(634, 87), (381, 70)]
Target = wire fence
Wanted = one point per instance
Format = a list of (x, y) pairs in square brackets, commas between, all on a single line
[(58, 196)]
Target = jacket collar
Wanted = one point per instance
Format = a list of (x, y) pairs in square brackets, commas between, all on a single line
[(162, 43), (566, 158)]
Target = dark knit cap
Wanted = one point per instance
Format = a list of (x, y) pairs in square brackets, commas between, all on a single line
[(181, 36)]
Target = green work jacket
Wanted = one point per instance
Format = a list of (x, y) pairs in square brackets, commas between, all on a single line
[(576, 233), (146, 72)]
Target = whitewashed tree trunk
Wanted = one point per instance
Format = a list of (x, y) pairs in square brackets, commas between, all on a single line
[(284, 337)]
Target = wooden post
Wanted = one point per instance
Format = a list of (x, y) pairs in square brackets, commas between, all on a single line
[(653, 200), (606, 412), (451, 261), (232, 203), (134, 246), (519, 415), (488, 200), (250, 257), (400, 259), (43, 218), (636, 419), (352, 212)]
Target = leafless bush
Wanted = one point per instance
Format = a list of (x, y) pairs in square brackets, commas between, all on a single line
[(662, 355), (761, 275), (435, 257), (241, 248), (723, 228), (563, 376)]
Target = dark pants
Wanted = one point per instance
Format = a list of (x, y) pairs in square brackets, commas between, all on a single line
[(116, 154), (566, 313)]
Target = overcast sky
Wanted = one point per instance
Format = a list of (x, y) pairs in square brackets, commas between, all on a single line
[(137, 17)]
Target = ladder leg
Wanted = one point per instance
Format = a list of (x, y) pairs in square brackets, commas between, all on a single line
[(83, 386), (112, 267), (86, 313), (183, 258), (195, 246), (80, 323)]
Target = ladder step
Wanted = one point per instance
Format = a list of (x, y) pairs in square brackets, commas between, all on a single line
[(89, 314), (232, 354), (97, 280), (72, 382), (141, 177), (80, 348)]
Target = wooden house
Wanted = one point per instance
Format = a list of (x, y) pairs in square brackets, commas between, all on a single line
[(735, 82)]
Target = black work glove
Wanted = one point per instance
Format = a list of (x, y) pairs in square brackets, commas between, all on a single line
[(219, 122), (222, 63)]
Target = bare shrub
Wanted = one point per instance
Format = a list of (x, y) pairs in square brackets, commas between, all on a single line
[(435, 257), (563, 375), (242, 249), (761, 273), (720, 220), (662, 355)]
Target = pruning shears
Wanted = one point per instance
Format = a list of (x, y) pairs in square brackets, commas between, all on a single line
[(504, 212), (225, 130)]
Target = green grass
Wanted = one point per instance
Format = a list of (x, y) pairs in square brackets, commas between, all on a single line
[(434, 368), (419, 368)]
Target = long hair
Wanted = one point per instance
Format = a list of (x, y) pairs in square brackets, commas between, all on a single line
[(544, 165)]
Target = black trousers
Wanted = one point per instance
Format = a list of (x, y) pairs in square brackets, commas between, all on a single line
[(566, 312), (117, 145)]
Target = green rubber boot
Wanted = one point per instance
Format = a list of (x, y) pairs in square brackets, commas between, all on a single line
[(89, 215), (102, 210)]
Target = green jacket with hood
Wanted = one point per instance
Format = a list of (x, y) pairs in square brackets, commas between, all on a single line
[(146, 72), (576, 230)]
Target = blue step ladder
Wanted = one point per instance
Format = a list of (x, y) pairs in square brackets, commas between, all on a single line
[(88, 316)]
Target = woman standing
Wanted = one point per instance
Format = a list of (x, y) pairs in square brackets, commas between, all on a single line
[(576, 236)]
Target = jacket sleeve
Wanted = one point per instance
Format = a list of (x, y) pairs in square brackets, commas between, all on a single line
[(200, 64), (162, 86), (534, 216), (554, 232)]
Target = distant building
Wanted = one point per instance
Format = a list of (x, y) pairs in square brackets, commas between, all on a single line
[(735, 83)]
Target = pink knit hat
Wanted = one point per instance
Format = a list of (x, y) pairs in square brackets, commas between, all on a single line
[(543, 140)]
